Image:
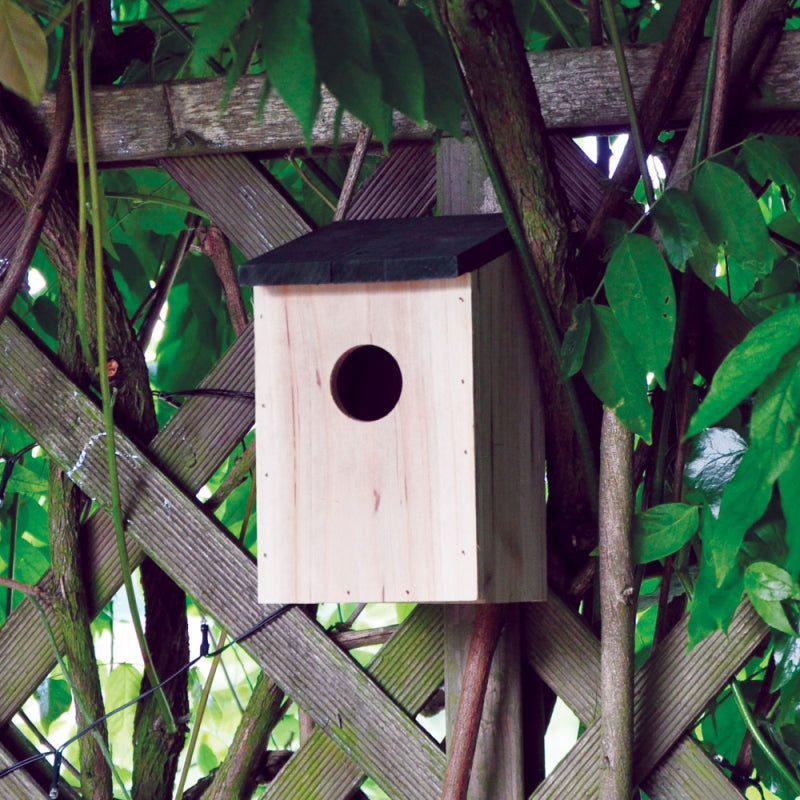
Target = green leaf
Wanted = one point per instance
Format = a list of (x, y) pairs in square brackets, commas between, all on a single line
[(766, 162), (615, 375), (288, 54), (787, 486), (343, 50), (663, 530), (576, 338), (713, 460), (23, 52), (731, 215), (396, 60), (767, 585), (744, 501), (26, 481), (220, 19), (443, 92), (54, 698), (748, 365), (640, 293), (679, 225), (712, 606), (774, 422)]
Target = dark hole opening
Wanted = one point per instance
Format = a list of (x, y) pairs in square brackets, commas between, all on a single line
[(366, 383)]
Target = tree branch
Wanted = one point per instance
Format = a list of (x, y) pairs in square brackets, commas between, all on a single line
[(42, 195), (618, 608)]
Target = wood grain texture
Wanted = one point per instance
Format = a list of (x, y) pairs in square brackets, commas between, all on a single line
[(670, 691), (189, 448), (173, 530), (578, 89), (409, 669), (365, 511)]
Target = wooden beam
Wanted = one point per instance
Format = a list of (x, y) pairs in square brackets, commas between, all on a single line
[(409, 669), (567, 656), (578, 89), (199, 555)]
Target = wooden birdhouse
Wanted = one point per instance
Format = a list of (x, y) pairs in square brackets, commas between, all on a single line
[(400, 448)]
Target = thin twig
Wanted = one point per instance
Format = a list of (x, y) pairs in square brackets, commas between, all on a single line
[(215, 245), (42, 195), (26, 588), (353, 171)]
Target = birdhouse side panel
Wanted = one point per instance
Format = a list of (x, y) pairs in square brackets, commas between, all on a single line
[(355, 509), (510, 439)]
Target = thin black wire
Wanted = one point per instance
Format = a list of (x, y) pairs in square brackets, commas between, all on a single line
[(59, 751)]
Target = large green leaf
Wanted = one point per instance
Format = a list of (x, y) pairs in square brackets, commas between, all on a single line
[(288, 54), (23, 52), (713, 603), (767, 585), (640, 293), (343, 49), (766, 162), (744, 501), (396, 60), (731, 215), (747, 366), (615, 375), (663, 530), (788, 483), (443, 92), (220, 19), (776, 415), (54, 698), (573, 348), (713, 460), (679, 225)]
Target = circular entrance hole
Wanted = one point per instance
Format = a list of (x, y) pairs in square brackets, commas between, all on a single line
[(366, 382)]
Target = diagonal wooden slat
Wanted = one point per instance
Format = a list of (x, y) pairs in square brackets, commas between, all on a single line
[(189, 448), (671, 689), (242, 200), (199, 556), (18, 785), (409, 668)]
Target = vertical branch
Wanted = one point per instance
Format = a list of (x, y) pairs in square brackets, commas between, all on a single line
[(617, 606), (489, 621), (215, 245)]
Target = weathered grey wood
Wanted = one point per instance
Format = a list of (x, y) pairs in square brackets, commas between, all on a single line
[(242, 200), (578, 89), (201, 558), (670, 691), (189, 448), (409, 669), (18, 785)]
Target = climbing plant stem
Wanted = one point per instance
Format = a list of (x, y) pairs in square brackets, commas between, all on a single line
[(512, 218), (630, 103), (761, 741), (105, 389)]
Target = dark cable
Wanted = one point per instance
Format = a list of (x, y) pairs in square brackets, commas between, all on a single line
[(59, 752)]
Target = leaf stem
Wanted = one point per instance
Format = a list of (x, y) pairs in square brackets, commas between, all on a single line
[(761, 741), (630, 103), (105, 390)]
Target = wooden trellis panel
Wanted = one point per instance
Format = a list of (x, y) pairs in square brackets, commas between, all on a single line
[(345, 703)]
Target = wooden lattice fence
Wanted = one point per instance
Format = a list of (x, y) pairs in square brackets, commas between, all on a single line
[(364, 717)]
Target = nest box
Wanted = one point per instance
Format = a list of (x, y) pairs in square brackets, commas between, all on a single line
[(400, 448)]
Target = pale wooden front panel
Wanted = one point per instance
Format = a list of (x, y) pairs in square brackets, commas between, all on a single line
[(365, 511), (510, 436)]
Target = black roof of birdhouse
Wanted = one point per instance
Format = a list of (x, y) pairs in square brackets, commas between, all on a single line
[(385, 250)]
